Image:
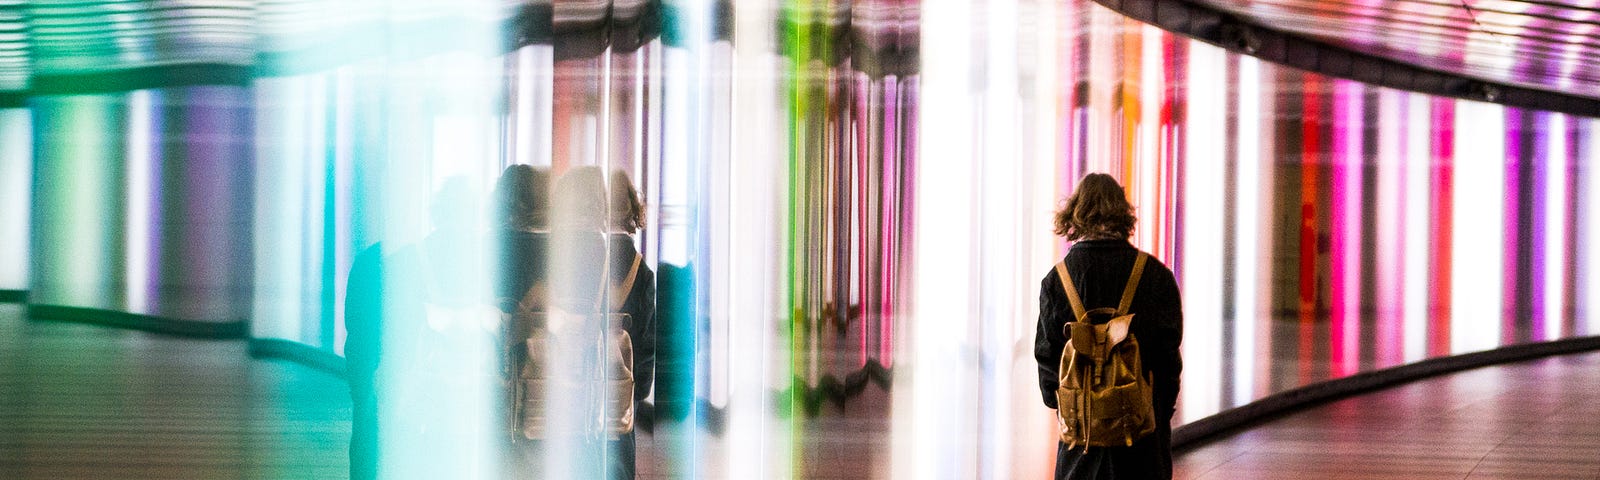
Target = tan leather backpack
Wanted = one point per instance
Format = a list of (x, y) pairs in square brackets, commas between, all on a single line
[(1105, 396), (569, 378)]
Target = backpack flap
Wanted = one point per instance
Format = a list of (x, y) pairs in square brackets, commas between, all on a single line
[(1088, 340), (1117, 329)]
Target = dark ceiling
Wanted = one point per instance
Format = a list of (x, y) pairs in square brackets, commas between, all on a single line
[(1549, 44), (1537, 54)]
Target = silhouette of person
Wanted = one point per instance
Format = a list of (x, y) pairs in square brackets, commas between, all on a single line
[(1098, 218), (521, 217), (442, 374), (596, 269), (363, 314), (626, 219)]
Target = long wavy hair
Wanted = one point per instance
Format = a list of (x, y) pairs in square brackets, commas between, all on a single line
[(1098, 209), (522, 198), (627, 212)]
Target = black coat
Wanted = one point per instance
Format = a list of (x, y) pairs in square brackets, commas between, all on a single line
[(576, 259), (1100, 270), (640, 305), (520, 258)]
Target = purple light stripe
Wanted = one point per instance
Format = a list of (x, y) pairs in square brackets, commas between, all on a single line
[(1517, 153), (1541, 160)]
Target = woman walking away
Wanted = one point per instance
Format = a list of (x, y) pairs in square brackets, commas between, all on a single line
[(1110, 322)]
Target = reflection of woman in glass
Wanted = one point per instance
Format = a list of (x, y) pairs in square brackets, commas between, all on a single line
[(522, 211), (627, 217), (591, 248), (1099, 219)]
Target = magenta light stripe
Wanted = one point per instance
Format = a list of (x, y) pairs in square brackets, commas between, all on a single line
[(889, 242), (1344, 264), (863, 162), (1516, 154)]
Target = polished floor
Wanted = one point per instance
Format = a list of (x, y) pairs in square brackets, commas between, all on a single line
[(79, 401), (1531, 420)]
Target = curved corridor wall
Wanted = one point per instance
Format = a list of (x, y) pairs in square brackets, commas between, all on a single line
[(847, 219), (141, 203), (1322, 227)]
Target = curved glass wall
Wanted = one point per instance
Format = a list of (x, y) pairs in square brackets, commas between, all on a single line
[(846, 220)]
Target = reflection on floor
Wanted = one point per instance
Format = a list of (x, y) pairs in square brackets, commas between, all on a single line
[(79, 401), (1536, 419)]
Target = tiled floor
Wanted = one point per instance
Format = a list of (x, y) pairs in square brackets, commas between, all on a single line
[(1537, 419)]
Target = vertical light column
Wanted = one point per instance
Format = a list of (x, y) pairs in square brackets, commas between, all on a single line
[(531, 105), (441, 148), (686, 158), (290, 126), (1388, 245), (936, 377), (1558, 205), (143, 174), (719, 236), (77, 249), (1046, 107), (1266, 243), (1346, 231), (1247, 251), (1102, 145), (1146, 161), (1588, 204), (1477, 265), (1000, 323), (1201, 243), (16, 178), (1414, 288), (200, 206), (755, 443)]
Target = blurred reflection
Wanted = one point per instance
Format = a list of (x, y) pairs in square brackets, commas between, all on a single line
[(577, 362), (438, 340), (363, 347), (834, 223)]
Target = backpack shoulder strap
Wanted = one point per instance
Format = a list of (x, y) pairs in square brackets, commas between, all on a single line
[(619, 293), (1133, 284), (1072, 290)]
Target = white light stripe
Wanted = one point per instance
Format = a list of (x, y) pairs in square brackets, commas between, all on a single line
[(139, 197), (939, 371), (1589, 316), (1147, 159), (1477, 236), (1389, 271), (757, 209), (523, 117), (999, 295), (1418, 160), (1247, 215), (16, 187), (1555, 230), (1202, 275)]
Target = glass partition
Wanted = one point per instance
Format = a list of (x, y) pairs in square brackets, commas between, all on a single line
[(843, 215)]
